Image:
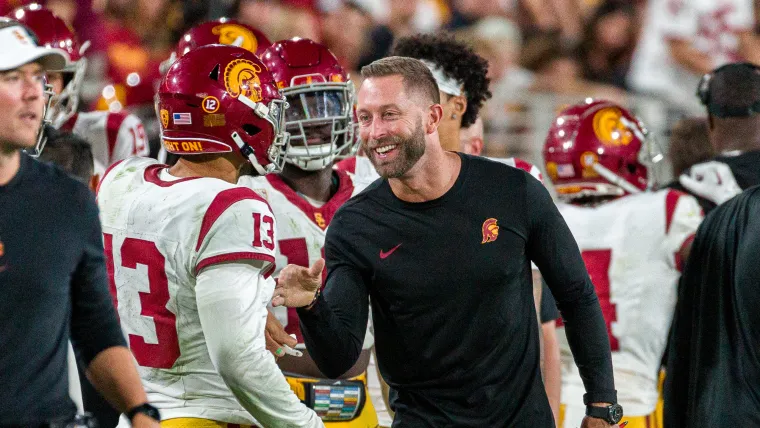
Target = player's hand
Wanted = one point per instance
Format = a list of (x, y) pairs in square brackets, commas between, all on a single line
[(297, 285), (144, 421), (711, 180), (278, 342)]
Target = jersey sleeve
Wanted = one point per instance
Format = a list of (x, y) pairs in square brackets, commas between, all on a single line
[(679, 20), (126, 136), (683, 216), (238, 226)]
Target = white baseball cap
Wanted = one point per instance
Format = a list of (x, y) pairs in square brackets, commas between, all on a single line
[(18, 47)]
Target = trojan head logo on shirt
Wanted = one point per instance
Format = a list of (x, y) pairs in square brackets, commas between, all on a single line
[(241, 77), (490, 230), (236, 35), (612, 128)]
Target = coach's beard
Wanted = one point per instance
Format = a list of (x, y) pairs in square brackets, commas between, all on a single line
[(410, 150)]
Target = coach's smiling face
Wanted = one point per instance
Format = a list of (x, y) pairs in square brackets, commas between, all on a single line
[(392, 125)]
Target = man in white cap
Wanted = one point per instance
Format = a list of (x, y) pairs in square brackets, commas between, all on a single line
[(53, 283)]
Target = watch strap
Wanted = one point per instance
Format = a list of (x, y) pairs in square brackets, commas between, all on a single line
[(145, 409)]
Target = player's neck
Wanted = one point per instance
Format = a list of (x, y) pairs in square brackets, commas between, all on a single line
[(10, 162), (433, 175), (317, 185), (206, 166)]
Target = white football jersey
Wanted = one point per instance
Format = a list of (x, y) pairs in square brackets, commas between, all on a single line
[(630, 247), (113, 136), (159, 232), (709, 25), (301, 228)]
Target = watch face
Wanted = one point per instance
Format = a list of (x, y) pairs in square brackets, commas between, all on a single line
[(616, 413)]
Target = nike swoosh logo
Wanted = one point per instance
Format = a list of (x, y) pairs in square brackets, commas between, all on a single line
[(385, 254)]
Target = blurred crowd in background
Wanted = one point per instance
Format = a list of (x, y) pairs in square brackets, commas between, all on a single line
[(543, 54)]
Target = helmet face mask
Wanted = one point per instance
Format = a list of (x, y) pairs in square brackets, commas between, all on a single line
[(321, 99), (320, 123)]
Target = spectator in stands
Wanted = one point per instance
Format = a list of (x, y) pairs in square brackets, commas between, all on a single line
[(499, 41), (689, 144), (399, 23), (559, 71), (608, 43), (344, 32), (277, 19), (682, 40)]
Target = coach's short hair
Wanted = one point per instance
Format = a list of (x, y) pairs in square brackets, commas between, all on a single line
[(417, 77)]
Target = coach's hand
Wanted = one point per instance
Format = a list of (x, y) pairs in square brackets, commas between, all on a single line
[(143, 421), (589, 422), (278, 341), (297, 285)]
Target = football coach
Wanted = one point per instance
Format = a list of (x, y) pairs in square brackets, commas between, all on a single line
[(442, 246)]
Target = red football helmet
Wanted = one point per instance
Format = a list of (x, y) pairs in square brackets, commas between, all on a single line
[(219, 98), (320, 98), (222, 31), (599, 149), (52, 32)]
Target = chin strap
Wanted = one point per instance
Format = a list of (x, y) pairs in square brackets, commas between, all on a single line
[(247, 152), (615, 179)]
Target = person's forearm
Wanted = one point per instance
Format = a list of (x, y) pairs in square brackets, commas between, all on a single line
[(233, 319), (587, 336), (331, 342), (113, 373), (552, 371), (690, 58)]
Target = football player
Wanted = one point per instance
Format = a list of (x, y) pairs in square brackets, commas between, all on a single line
[(113, 135), (191, 254), (633, 240), (304, 197)]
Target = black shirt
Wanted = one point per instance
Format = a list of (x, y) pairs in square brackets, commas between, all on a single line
[(714, 356), (452, 301), (745, 167), (53, 286), (548, 307)]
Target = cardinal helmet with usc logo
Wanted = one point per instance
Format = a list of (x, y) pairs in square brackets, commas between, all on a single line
[(52, 32), (218, 99), (599, 149), (321, 99), (223, 31)]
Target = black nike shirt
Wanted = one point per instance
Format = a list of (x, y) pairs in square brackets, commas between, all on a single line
[(449, 281), (714, 355), (53, 287)]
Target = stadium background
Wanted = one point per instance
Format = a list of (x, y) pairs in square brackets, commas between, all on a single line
[(543, 54)]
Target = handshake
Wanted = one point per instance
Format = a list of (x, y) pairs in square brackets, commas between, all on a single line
[(296, 287)]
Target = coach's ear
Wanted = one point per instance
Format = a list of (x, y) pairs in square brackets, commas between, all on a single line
[(434, 116)]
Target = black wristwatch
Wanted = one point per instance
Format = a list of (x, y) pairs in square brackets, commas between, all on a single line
[(145, 409), (612, 413)]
